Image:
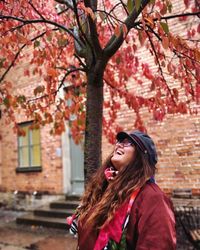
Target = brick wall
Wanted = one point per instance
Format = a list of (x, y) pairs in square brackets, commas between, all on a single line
[(50, 179), (177, 137)]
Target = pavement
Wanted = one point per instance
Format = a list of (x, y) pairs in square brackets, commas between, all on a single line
[(23, 237)]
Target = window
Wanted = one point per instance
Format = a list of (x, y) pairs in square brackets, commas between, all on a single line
[(29, 149)]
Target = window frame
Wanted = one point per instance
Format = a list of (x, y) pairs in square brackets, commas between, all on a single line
[(21, 169)]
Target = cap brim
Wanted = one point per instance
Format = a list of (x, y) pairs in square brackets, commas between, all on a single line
[(122, 135)]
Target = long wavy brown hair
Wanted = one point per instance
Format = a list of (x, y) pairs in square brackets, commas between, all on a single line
[(102, 198)]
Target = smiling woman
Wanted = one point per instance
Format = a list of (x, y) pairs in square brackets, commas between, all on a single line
[(124, 153), (122, 207)]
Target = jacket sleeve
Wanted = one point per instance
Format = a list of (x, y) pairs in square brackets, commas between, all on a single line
[(156, 223)]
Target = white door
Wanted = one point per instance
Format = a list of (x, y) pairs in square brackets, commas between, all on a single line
[(77, 167)]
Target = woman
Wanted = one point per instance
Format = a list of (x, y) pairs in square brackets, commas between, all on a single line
[(122, 207)]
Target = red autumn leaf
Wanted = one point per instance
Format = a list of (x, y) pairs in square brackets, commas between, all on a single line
[(147, 72), (142, 37), (52, 72), (117, 31), (198, 28), (124, 29), (186, 2), (163, 10), (176, 93), (165, 42)]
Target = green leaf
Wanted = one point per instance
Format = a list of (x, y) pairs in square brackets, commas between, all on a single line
[(49, 38), (165, 27), (130, 6), (6, 102), (2, 60), (118, 60), (169, 6), (21, 99), (36, 44), (137, 4)]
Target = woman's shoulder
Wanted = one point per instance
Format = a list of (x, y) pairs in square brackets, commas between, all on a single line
[(151, 191)]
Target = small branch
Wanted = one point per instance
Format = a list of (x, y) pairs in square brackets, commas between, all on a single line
[(124, 6), (79, 25), (81, 62), (16, 56), (173, 16), (93, 31), (63, 11), (179, 15), (54, 93), (111, 16), (40, 21), (159, 66), (153, 31), (190, 72), (12, 29), (66, 74), (67, 3), (115, 42), (178, 53), (31, 4)]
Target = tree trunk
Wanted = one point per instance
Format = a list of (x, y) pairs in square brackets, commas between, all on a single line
[(94, 115)]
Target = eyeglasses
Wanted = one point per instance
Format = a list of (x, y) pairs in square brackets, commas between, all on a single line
[(125, 143)]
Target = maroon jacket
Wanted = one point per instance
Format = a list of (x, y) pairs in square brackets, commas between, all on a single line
[(151, 225)]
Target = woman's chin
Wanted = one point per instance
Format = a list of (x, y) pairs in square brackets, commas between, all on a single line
[(115, 164)]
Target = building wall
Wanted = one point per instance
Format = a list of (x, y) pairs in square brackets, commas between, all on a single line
[(50, 179), (177, 139)]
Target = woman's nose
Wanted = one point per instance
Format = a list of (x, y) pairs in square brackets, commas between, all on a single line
[(120, 145)]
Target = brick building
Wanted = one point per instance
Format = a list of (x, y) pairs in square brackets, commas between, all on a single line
[(54, 165)]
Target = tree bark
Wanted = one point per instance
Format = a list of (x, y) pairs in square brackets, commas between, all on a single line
[(94, 116)]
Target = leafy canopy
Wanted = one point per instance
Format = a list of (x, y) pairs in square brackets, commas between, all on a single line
[(63, 39)]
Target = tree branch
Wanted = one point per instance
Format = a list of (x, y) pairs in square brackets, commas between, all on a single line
[(173, 16), (80, 27), (16, 56), (160, 68), (54, 93), (31, 21), (93, 30), (68, 3), (31, 4), (115, 42)]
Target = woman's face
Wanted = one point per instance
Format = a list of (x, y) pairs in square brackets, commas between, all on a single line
[(124, 153)]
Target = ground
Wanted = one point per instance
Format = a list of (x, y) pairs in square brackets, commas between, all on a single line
[(23, 237), (20, 237)]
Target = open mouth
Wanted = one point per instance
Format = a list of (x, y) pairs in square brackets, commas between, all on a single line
[(119, 152)]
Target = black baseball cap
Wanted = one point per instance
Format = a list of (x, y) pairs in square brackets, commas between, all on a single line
[(144, 142)]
